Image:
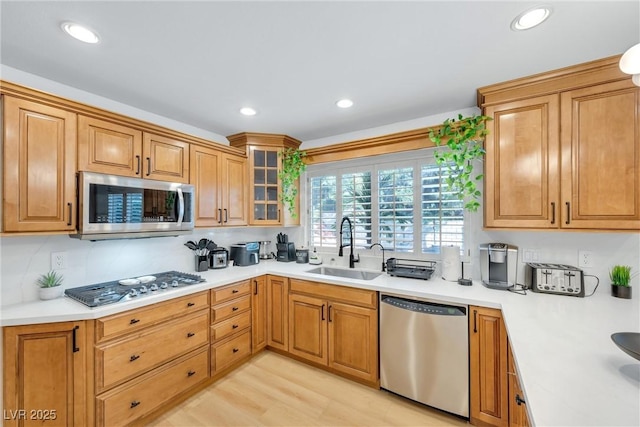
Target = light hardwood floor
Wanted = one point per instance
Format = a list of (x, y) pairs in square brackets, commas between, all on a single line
[(273, 390)]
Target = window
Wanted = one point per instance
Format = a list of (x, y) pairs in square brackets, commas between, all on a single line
[(400, 201)]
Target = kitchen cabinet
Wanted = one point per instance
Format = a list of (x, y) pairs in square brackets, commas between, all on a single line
[(336, 327), (278, 312), (259, 314), (263, 151), (46, 370), (488, 368), (221, 187), (230, 325), (563, 150), (115, 148), (39, 163), (147, 357), (517, 406)]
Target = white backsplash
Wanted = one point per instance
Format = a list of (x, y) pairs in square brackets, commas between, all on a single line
[(23, 259)]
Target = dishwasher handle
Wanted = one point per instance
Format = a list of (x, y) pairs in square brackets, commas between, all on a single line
[(424, 307)]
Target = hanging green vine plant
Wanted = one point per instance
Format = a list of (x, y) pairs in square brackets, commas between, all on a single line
[(292, 167), (463, 139)]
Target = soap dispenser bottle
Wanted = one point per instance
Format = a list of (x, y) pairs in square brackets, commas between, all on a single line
[(314, 258)]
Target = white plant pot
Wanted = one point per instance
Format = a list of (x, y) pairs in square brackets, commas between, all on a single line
[(50, 293)]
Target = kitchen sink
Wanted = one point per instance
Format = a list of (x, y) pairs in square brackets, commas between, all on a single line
[(341, 272)]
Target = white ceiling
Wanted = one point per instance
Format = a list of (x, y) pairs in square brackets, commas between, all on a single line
[(199, 62)]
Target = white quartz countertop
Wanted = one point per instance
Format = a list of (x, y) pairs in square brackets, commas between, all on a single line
[(571, 372)]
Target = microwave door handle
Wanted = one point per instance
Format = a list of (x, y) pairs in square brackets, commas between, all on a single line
[(180, 207)]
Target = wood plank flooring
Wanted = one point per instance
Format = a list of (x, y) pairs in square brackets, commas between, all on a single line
[(273, 390)]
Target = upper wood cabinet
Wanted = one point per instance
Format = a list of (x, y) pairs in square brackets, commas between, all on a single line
[(563, 150), (112, 148), (45, 375), (39, 162), (263, 151), (221, 186)]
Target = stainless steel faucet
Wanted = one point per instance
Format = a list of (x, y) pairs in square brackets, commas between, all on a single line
[(352, 259), (384, 266)]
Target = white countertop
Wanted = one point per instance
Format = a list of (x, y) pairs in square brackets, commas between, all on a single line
[(571, 372)]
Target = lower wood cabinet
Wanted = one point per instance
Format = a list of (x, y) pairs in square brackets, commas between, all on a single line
[(136, 399), (259, 313), (45, 375), (335, 326), (277, 312), (517, 405)]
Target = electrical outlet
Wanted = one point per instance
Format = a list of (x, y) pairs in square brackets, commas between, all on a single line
[(585, 259), (530, 255), (58, 260)]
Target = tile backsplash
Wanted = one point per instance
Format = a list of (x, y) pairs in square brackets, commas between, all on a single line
[(23, 259)]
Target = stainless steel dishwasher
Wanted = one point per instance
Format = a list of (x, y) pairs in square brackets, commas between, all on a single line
[(424, 352)]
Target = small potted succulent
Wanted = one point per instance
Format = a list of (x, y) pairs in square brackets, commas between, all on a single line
[(620, 276), (50, 285)]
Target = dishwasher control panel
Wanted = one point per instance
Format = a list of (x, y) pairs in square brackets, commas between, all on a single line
[(424, 306)]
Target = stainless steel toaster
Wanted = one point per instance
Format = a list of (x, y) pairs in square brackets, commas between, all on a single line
[(559, 279)]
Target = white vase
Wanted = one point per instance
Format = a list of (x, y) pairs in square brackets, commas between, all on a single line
[(50, 293)]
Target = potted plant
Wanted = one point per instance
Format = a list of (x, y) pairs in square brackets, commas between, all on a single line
[(620, 276), (462, 143), (292, 167), (50, 285)]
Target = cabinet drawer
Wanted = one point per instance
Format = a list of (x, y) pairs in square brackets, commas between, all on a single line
[(361, 297), (117, 361), (228, 352), (229, 292), (133, 320), (230, 326), (231, 308), (131, 401)]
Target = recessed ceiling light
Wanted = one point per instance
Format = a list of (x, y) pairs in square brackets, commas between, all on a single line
[(531, 18), (248, 111), (80, 32), (344, 103)]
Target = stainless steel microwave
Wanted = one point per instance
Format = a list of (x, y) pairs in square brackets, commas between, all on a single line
[(117, 207)]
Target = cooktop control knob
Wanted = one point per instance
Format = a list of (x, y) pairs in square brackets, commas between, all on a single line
[(164, 285), (153, 287), (143, 289), (175, 284), (133, 293)]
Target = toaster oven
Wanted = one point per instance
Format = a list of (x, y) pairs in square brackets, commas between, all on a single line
[(559, 279)]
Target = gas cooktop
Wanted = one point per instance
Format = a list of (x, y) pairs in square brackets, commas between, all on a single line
[(126, 289)]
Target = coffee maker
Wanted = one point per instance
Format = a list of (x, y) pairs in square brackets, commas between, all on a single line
[(498, 265)]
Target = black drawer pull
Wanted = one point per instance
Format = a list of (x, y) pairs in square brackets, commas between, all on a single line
[(191, 373), (134, 358), (235, 291), (134, 404), (191, 304), (133, 321), (190, 334), (235, 350), (235, 326), (235, 309)]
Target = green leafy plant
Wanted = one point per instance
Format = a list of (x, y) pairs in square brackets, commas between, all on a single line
[(461, 142), (50, 280), (292, 167), (620, 275)]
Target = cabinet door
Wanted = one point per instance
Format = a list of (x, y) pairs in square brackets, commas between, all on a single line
[(265, 186), (165, 159), (308, 328), (205, 177), (601, 157), (259, 313), (234, 190), (521, 164), (353, 340), (517, 408), (109, 148), (277, 312), (39, 167), (488, 367), (44, 375)]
